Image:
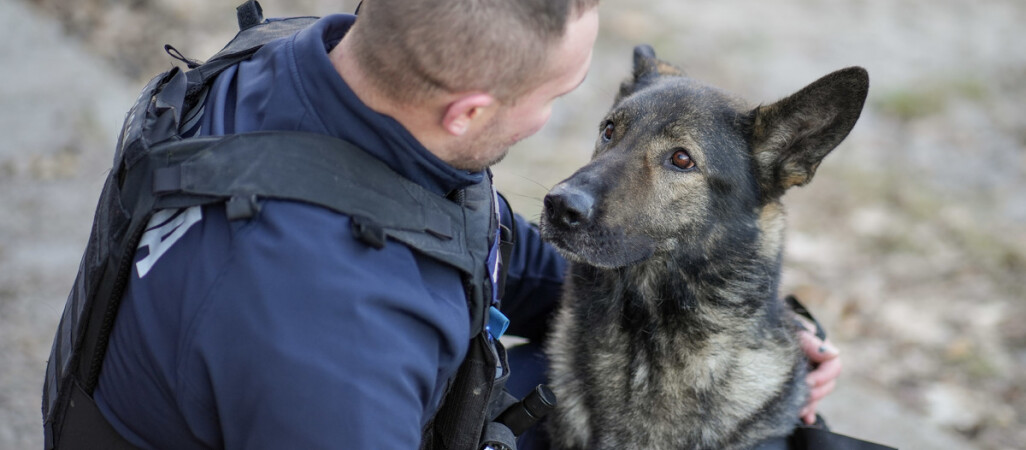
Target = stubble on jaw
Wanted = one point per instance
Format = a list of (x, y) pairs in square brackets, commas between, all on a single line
[(475, 165), (475, 155)]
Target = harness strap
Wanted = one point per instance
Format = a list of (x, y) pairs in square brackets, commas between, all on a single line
[(801, 310)]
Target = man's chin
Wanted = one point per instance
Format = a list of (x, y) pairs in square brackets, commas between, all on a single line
[(497, 159), (477, 165)]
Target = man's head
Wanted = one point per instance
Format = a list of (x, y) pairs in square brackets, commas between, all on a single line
[(486, 71), (418, 48)]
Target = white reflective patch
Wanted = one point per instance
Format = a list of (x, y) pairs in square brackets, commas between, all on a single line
[(164, 229)]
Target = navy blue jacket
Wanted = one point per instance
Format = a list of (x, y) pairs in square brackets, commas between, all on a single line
[(284, 331)]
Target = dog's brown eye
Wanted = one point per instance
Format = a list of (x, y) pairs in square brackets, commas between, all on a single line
[(607, 132), (682, 160)]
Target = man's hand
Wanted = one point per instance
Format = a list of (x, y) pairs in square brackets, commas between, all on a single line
[(826, 362)]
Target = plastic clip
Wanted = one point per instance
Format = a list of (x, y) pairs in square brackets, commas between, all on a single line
[(242, 207), (368, 231)]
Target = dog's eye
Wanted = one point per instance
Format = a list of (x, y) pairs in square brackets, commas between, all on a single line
[(607, 132), (682, 160)]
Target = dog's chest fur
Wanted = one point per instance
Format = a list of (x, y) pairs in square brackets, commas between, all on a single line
[(650, 357)]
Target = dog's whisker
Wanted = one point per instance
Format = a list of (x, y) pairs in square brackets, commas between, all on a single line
[(525, 196), (535, 182)]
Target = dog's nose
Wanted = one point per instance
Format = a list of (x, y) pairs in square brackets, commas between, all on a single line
[(568, 206)]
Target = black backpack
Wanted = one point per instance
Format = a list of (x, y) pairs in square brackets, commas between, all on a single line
[(156, 168)]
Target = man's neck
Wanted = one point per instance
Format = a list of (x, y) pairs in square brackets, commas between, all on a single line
[(422, 121)]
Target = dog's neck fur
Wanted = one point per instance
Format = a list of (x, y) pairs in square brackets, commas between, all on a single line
[(687, 301), (684, 287)]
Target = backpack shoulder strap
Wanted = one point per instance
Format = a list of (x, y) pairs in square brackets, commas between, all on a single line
[(319, 170), (248, 41)]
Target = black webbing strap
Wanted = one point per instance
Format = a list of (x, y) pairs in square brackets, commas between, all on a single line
[(249, 40), (809, 438), (817, 437), (324, 171), (801, 310), (90, 430), (507, 241), (250, 14), (176, 54)]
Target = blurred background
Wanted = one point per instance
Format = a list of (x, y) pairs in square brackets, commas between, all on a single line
[(910, 243)]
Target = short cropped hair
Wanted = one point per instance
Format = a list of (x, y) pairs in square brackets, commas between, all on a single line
[(412, 49)]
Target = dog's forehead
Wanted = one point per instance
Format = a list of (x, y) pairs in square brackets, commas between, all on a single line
[(677, 107), (682, 99)]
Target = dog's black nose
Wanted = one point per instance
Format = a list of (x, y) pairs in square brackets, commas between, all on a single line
[(568, 206)]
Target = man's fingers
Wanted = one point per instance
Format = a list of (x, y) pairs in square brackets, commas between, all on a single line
[(808, 413), (809, 418), (823, 379), (819, 392), (818, 351), (826, 372)]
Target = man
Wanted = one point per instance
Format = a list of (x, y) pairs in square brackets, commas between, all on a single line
[(285, 330)]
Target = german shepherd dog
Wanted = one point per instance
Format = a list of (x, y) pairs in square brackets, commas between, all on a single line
[(671, 334)]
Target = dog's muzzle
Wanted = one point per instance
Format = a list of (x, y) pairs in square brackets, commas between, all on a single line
[(572, 223)]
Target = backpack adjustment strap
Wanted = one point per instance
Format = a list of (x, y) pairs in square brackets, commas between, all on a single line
[(368, 231), (167, 179), (174, 53), (250, 14)]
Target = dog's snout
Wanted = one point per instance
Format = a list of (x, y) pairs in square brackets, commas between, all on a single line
[(569, 207)]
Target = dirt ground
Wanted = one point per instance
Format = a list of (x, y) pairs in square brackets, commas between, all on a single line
[(910, 244)]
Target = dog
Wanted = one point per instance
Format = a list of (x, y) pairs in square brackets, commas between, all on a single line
[(670, 334)]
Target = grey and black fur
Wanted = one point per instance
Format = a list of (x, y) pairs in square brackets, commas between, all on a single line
[(671, 334)]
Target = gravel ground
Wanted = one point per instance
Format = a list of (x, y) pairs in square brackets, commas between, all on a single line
[(910, 244)]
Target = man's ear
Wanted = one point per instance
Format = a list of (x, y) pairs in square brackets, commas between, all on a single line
[(646, 68), (792, 136), (461, 113)]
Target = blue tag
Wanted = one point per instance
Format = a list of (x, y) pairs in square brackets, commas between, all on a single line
[(497, 322)]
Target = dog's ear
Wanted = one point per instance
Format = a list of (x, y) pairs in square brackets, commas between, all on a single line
[(792, 136), (646, 67)]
